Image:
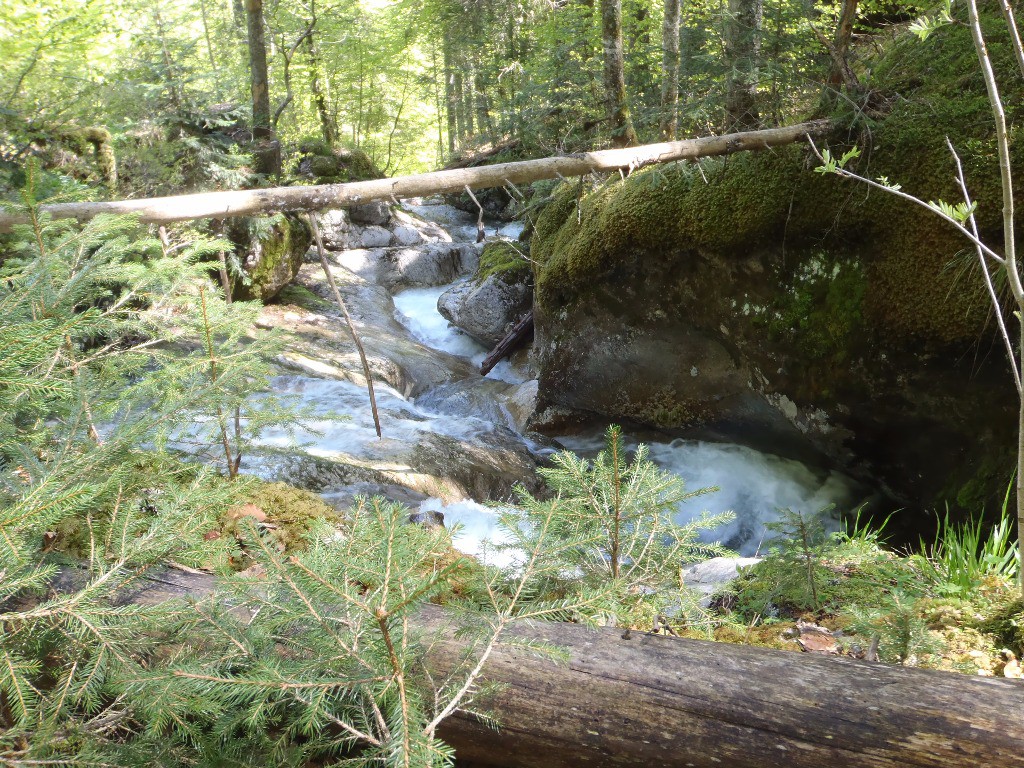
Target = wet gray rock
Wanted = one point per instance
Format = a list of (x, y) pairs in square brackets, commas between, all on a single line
[(711, 575), (434, 264), (406, 235), (393, 268), (430, 232), (271, 251), (318, 342), (373, 237), (373, 214), (487, 309), (334, 229)]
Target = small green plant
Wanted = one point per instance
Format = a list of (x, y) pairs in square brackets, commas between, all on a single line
[(807, 570), (895, 626), (613, 541), (962, 556)]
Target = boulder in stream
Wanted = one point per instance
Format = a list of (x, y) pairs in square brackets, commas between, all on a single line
[(495, 298)]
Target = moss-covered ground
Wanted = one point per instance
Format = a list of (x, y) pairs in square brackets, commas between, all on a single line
[(864, 595)]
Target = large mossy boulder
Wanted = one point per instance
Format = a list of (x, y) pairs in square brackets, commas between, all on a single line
[(271, 250), (757, 295)]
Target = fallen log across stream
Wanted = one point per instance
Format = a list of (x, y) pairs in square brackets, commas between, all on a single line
[(633, 699), (251, 202)]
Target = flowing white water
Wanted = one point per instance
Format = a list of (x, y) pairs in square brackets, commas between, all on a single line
[(417, 311), (754, 486)]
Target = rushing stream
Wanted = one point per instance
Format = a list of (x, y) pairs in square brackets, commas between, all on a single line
[(753, 485), (470, 408)]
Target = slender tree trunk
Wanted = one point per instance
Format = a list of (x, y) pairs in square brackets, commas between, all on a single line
[(238, 13), (483, 113), (450, 98), (469, 99), (844, 34), (318, 87), (438, 75), (209, 44), (267, 151), (460, 104), (670, 71), (175, 97), (253, 202), (1009, 241), (742, 53), (623, 134), (258, 66)]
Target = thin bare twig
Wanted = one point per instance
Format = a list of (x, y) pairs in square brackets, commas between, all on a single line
[(322, 252), (1018, 48), (987, 276), (480, 233), (842, 172)]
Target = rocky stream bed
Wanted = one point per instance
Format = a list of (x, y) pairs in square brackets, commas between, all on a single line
[(454, 440)]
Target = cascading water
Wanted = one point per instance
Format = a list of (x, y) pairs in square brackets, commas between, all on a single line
[(752, 485), (446, 401)]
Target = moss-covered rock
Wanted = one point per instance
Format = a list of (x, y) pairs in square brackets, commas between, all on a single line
[(271, 250), (682, 297), (334, 165), (495, 298), (291, 511)]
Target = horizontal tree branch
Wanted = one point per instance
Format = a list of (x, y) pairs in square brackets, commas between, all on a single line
[(161, 210)]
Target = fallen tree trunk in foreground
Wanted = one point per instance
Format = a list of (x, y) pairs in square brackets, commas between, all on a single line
[(632, 699), (161, 210)]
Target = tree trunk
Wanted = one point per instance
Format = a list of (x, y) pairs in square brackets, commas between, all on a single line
[(451, 99), (742, 54), (632, 699), (844, 34), (616, 106), (670, 71), (258, 66), (459, 95), (318, 87), (254, 202), (267, 151), (483, 114), (469, 99)]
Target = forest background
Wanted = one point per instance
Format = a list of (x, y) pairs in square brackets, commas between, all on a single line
[(410, 82)]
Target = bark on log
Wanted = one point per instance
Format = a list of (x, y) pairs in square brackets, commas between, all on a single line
[(632, 699), (261, 201), (507, 344)]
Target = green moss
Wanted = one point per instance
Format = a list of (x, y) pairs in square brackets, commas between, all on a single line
[(280, 241), (503, 260), (291, 510), (822, 311), (666, 407), (912, 281), (337, 164), (323, 166), (300, 296), (1005, 621)]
